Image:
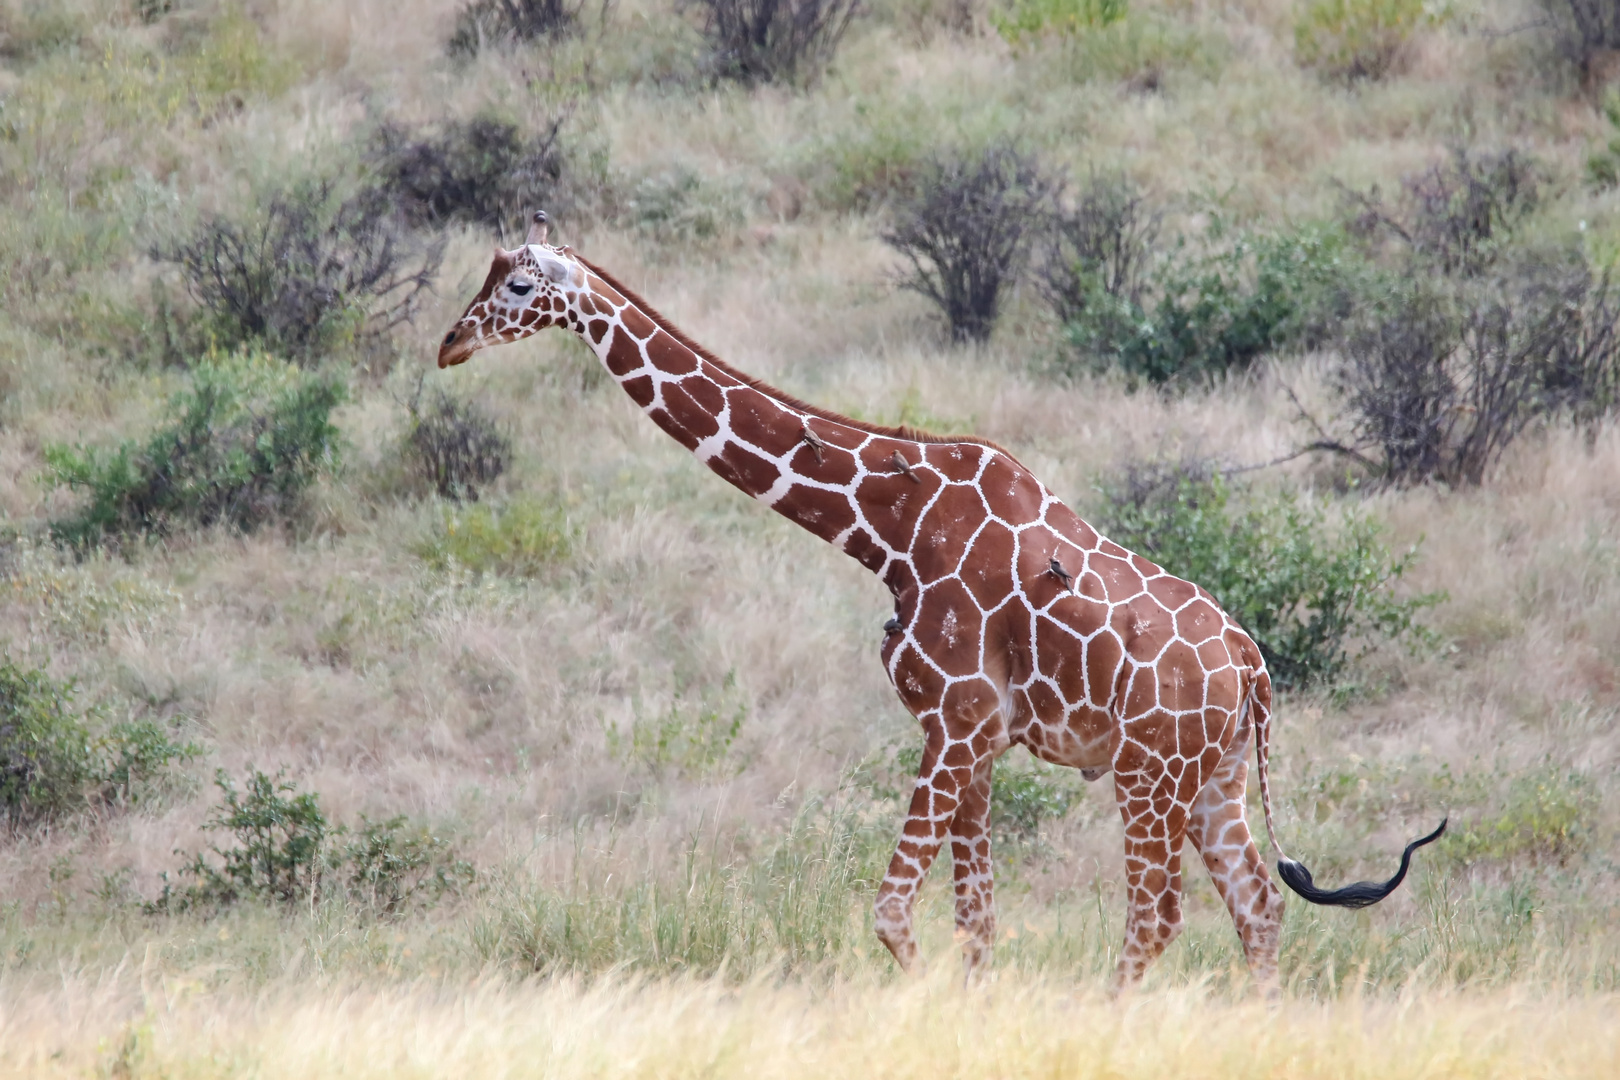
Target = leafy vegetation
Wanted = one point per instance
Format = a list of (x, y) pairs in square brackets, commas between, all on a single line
[(239, 447), (675, 205), (1547, 816), (1031, 18), (689, 738), (525, 538), (1204, 314), (1355, 39), (1024, 796), (1603, 164), (1309, 596), (281, 848), (56, 759)]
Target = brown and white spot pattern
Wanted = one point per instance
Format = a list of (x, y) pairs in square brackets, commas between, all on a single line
[(1015, 622)]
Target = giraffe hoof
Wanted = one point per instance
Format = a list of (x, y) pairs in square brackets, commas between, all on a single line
[(1094, 773)]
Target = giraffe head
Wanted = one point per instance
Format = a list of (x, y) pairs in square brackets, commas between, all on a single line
[(528, 289)]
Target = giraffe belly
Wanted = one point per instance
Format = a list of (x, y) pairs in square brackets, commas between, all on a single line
[(1083, 740), (1066, 683)]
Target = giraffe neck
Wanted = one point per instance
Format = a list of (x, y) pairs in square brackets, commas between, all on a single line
[(862, 489)]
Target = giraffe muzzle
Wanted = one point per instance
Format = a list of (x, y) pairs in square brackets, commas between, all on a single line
[(459, 344)]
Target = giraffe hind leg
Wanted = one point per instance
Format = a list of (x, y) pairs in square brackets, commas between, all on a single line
[(1155, 826), (975, 883), (1219, 829)]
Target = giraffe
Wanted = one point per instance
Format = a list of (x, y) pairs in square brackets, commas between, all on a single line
[(1014, 622)]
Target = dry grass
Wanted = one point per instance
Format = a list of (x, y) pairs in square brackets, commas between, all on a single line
[(156, 1027)]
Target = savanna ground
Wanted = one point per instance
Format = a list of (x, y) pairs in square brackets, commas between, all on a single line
[(654, 756)]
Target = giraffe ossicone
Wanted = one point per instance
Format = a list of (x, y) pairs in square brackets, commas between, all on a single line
[(1015, 622)]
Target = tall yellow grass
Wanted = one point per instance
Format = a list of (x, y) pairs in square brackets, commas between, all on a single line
[(928, 1029)]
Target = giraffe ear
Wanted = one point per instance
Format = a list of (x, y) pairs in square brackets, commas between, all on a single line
[(560, 271)]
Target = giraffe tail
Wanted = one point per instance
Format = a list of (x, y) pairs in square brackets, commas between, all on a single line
[(1294, 874)]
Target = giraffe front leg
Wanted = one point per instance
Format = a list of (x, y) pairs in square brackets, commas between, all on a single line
[(975, 881), (934, 802)]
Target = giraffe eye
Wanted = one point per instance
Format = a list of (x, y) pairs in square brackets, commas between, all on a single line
[(521, 288)]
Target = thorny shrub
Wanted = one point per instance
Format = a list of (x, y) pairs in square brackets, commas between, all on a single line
[(307, 273), (239, 447), (56, 759), (281, 848), (1584, 29), (1308, 594), (1458, 216), (773, 41), (966, 227), (1438, 384), (484, 171), (1095, 258), (481, 24), (455, 445)]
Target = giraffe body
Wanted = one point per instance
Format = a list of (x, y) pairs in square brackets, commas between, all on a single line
[(1015, 622)]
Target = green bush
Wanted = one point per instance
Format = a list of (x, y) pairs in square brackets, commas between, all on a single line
[(1547, 815), (1306, 593), (1025, 19), (1207, 314), (239, 447), (1354, 39), (1025, 794), (1603, 165), (388, 864), (54, 762), (692, 739), (522, 539), (46, 759), (281, 848), (1024, 791), (677, 206), (279, 836)]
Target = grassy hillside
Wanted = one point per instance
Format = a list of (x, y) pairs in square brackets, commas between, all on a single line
[(632, 720)]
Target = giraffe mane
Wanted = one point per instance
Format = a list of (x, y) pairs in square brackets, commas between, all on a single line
[(903, 431)]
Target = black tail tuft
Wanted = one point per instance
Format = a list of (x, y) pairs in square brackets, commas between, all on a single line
[(1362, 893)]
